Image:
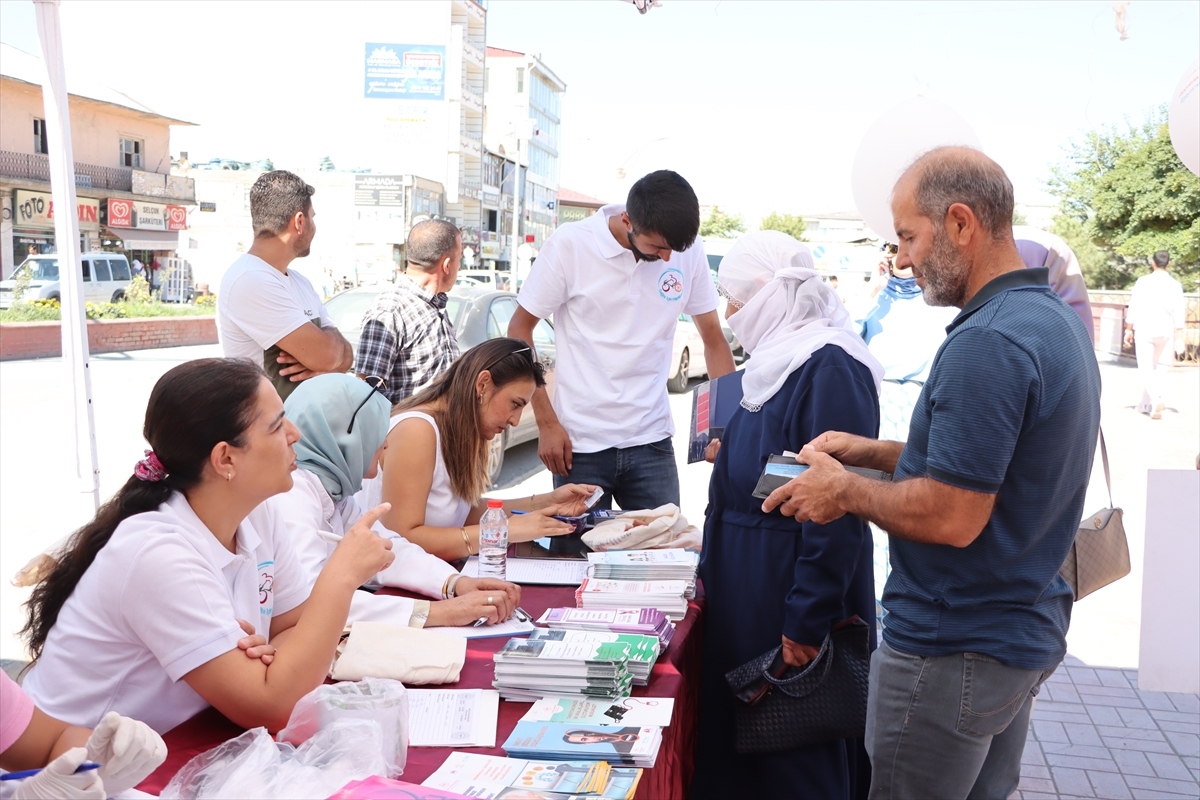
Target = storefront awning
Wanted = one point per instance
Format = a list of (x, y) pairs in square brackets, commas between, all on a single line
[(147, 240)]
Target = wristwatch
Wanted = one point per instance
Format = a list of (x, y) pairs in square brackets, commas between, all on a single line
[(450, 587)]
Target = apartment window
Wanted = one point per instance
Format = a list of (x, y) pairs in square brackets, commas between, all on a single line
[(520, 79), (39, 136), (131, 153)]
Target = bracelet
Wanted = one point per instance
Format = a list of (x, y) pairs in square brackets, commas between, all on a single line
[(446, 588), (466, 541), (452, 582)]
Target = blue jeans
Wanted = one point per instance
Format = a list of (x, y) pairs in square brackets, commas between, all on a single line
[(947, 726), (643, 476)]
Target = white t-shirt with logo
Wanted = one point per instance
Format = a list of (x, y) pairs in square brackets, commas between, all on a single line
[(162, 598), (614, 325), (258, 305)]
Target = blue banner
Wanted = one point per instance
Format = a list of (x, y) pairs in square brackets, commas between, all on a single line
[(405, 72)]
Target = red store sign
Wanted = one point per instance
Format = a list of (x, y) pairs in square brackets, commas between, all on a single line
[(120, 214)]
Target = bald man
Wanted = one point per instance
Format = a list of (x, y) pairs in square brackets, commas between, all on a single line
[(407, 338), (987, 496)]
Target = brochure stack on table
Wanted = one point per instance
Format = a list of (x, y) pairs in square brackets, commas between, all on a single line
[(530, 669), (646, 565), (643, 650), (669, 597), (646, 621)]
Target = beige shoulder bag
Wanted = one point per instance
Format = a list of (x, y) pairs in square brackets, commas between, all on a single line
[(1100, 553)]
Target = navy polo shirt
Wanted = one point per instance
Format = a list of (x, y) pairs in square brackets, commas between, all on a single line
[(1011, 408)]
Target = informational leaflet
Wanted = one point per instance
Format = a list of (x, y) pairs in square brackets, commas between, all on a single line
[(452, 717), (537, 571), (491, 777), (640, 711)]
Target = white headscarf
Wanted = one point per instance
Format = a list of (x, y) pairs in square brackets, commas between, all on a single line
[(786, 313)]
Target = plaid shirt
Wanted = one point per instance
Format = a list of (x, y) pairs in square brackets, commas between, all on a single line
[(406, 338)]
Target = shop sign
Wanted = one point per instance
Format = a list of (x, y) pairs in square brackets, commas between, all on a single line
[(36, 210), (120, 213), (146, 216)]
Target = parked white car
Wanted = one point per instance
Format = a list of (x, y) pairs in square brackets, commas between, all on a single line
[(106, 276), (687, 355)]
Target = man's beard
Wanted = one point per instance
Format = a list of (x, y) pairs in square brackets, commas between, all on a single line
[(945, 271), (304, 248), (638, 255)]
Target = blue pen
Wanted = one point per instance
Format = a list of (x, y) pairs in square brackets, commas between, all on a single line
[(29, 773)]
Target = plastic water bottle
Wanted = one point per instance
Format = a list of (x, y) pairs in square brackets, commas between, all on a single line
[(493, 542)]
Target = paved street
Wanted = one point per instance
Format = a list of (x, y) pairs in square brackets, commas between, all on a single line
[(1094, 735)]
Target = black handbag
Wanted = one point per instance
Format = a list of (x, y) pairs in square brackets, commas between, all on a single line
[(781, 707)]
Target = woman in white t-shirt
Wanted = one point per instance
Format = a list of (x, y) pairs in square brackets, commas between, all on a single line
[(141, 613), (343, 423), (435, 466)]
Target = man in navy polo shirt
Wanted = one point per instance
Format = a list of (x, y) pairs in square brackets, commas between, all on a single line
[(987, 496)]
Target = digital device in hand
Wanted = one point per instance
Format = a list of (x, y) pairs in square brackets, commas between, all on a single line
[(781, 469), (713, 403)]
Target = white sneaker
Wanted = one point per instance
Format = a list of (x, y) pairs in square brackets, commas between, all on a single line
[(1157, 412)]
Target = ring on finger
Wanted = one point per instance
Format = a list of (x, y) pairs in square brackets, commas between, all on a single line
[(489, 602)]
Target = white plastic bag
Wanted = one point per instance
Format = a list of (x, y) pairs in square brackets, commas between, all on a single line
[(377, 699), (255, 767)]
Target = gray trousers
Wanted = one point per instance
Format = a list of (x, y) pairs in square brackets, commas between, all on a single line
[(947, 727)]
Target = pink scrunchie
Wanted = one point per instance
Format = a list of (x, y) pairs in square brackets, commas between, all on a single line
[(150, 468)]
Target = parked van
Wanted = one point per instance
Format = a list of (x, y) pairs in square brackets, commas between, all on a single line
[(106, 276)]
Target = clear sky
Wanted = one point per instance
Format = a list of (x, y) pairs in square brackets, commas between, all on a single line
[(760, 105)]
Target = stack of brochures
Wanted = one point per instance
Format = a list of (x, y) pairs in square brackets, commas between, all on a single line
[(530, 669), (473, 775), (643, 650), (561, 741), (669, 597), (646, 621), (646, 565)]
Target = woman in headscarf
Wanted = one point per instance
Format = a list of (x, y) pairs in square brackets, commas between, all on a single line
[(770, 580), (343, 424)]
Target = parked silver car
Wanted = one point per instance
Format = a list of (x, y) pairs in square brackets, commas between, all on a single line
[(477, 314)]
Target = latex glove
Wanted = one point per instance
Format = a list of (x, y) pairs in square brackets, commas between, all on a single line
[(128, 749), (59, 780)]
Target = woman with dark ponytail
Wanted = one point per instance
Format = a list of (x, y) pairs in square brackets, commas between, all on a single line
[(141, 612)]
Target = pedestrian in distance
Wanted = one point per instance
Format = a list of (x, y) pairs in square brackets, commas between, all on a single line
[(271, 314), (407, 338), (1154, 326), (616, 284), (987, 496)]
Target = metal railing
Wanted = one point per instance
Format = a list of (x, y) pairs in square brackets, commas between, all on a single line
[(1112, 306), (35, 167)]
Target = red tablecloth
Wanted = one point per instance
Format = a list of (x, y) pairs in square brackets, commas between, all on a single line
[(676, 674)]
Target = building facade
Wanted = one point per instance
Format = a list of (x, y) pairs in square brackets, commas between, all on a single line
[(522, 125), (128, 200), (422, 106)]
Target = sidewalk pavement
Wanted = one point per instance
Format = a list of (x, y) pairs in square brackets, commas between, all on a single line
[(1094, 734)]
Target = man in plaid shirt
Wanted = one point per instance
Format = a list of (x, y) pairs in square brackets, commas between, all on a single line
[(406, 337)]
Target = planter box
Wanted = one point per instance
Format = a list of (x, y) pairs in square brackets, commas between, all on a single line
[(44, 339)]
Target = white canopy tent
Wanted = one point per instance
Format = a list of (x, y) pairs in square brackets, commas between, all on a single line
[(76, 357)]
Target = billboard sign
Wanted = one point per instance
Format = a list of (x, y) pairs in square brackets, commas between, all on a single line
[(405, 72), (36, 210)]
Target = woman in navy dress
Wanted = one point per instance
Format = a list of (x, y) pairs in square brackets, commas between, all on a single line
[(769, 579)]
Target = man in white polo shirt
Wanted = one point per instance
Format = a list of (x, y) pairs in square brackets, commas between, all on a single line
[(615, 284), (264, 308)]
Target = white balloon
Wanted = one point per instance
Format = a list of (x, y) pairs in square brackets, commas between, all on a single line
[(891, 144), (1184, 118)]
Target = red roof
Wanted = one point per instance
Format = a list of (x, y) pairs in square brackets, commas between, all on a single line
[(496, 52), (573, 198)]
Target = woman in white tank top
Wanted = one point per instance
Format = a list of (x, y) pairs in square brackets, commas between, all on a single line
[(434, 470)]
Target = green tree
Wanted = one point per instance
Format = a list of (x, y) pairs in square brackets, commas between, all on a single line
[(718, 223), (792, 225), (1131, 195)]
